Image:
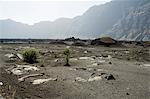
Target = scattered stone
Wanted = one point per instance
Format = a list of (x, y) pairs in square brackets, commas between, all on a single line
[(101, 61), (94, 57), (104, 56), (67, 46), (127, 93), (94, 64), (27, 76), (16, 49), (80, 79), (93, 74), (146, 65), (109, 77), (16, 71), (109, 57), (28, 67), (20, 56), (96, 78), (100, 70), (85, 52), (110, 63), (127, 52), (56, 60), (40, 81), (73, 59), (89, 69), (20, 69), (86, 58), (10, 55), (103, 74), (71, 69), (26, 47), (82, 68), (42, 65), (1, 83)]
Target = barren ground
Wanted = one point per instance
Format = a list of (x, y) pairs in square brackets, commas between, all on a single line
[(129, 66)]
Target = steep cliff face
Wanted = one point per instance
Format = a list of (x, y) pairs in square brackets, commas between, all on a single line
[(135, 25)]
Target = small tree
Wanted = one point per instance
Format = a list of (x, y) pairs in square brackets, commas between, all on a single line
[(67, 55), (30, 56)]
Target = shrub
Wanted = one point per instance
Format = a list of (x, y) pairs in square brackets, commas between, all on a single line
[(67, 54), (30, 56)]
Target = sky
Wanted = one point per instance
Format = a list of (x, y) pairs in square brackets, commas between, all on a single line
[(33, 11)]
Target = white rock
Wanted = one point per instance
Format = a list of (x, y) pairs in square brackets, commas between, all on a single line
[(31, 69), (109, 56), (101, 61), (100, 70), (20, 69), (67, 46), (1, 83), (83, 58), (94, 64), (126, 52), (85, 52), (80, 79), (40, 81), (146, 65), (10, 55), (28, 67), (86, 58), (20, 56), (16, 71), (27, 76), (56, 60), (96, 78), (71, 69), (89, 69), (27, 47)]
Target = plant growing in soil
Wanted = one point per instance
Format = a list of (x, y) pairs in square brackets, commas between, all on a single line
[(30, 56), (67, 55)]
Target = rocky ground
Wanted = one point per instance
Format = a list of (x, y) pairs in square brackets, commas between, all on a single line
[(96, 72)]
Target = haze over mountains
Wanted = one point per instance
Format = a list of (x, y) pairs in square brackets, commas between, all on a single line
[(120, 19)]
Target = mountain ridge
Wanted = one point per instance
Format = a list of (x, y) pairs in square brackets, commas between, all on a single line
[(97, 21)]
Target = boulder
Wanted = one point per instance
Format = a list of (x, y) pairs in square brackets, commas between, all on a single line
[(109, 77)]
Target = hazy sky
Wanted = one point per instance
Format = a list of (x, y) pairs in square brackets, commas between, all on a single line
[(33, 11)]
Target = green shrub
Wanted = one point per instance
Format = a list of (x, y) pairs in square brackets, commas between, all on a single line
[(30, 56), (67, 54)]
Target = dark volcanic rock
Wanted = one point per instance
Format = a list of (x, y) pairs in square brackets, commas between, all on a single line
[(106, 41)]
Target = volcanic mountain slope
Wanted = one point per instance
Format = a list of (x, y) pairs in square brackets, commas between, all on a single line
[(134, 26), (120, 19)]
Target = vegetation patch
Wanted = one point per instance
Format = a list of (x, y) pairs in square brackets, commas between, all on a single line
[(30, 56), (67, 56)]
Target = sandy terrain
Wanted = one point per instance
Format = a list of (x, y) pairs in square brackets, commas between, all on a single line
[(96, 72)]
